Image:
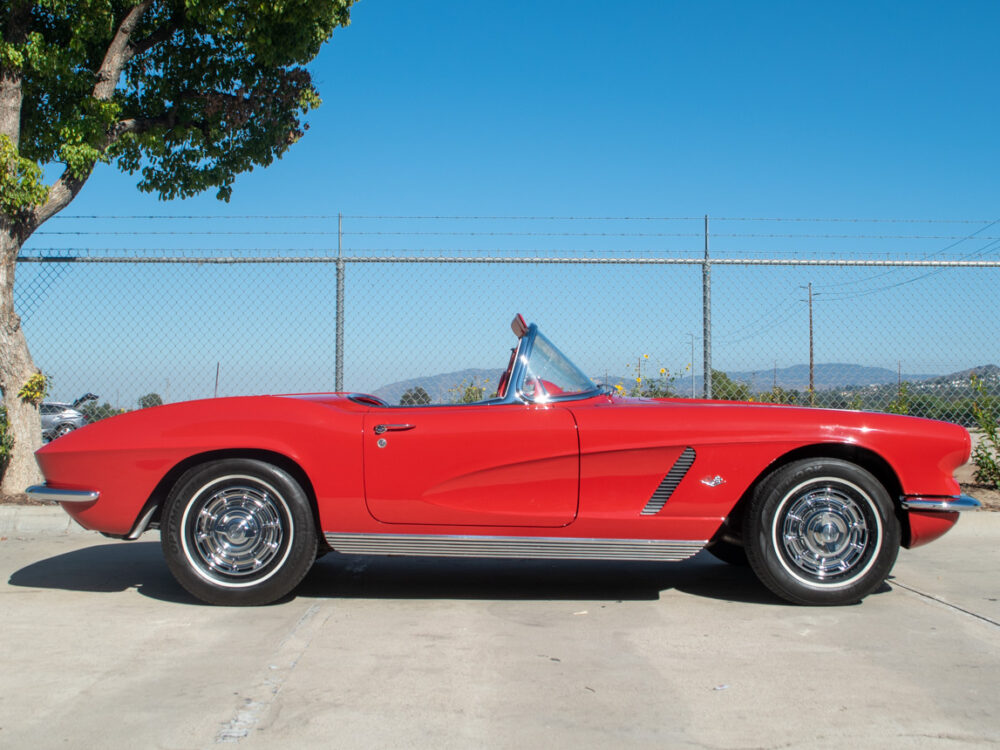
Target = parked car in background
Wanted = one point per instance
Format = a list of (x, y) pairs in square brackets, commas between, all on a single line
[(58, 418)]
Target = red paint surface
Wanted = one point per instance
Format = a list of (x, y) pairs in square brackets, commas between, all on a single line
[(576, 468), (926, 526)]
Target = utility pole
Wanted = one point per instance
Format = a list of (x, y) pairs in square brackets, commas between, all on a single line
[(338, 377), (812, 365), (706, 314), (692, 364)]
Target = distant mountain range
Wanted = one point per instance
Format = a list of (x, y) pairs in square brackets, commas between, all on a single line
[(442, 388), (446, 387), (829, 376)]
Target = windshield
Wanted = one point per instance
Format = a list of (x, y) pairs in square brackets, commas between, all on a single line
[(549, 374)]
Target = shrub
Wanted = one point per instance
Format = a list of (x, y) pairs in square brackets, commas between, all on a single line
[(6, 441), (985, 456)]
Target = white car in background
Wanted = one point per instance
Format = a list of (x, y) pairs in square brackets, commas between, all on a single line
[(58, 418)]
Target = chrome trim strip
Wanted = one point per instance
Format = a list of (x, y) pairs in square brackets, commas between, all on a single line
[(669, 483), (143, 523), (943, 504), (526, 547), (48, 494)]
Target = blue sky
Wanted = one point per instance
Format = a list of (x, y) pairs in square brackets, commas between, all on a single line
[(738, 109), (659, 108)]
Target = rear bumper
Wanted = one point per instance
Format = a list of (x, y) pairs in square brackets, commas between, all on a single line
[(48, 494), (940, 504)]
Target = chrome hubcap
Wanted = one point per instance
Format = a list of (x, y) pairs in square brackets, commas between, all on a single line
[(238, 530), (825, 533)]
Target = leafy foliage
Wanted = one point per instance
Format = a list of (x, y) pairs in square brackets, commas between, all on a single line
[(208, 88), (20, 180), (6, 440), (900, 404), (35, 389), (726, 389), (658, 385), (95, 413), (150, 400), (468, 392), (415, 397), (779, 395), (986, 455)]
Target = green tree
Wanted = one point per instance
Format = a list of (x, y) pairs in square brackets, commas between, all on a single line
[(415, 397), (468, 392), (777, 395), (186, 93), (986, 455), (725, 388), (6, 441), (149, 400), (95, 413), (900, 404)]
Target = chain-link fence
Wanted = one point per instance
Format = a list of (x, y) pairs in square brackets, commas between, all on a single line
[(848, 328)]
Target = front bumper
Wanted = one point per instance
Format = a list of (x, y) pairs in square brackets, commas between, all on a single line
[(47, 494), (940, 504)]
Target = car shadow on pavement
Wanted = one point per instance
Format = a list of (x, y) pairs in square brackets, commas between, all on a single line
[(377, 577), (116, 567), (105, 569)]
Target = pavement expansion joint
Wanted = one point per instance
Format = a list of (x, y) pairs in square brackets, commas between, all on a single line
[(943, 603)]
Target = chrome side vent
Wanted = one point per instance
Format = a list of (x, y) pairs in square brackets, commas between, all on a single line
[(669, 483)]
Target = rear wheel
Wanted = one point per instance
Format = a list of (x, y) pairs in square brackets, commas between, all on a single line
[(238, 532), (822, 532)]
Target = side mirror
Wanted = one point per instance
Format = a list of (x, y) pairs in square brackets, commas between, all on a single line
[(518, 326)]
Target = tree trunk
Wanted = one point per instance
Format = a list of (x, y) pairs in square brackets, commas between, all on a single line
[(23, 421)]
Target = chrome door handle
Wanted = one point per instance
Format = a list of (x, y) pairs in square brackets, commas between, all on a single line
[(380, 428)]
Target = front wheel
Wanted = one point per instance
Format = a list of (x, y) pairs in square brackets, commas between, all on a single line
[(822, 532), (238, 532)]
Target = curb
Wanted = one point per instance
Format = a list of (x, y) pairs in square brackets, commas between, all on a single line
[(36, 519)]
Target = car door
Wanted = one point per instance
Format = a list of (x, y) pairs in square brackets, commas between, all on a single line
[(474, 465)]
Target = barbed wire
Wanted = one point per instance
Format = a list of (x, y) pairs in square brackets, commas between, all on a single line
[(272, 217), (329, 233)]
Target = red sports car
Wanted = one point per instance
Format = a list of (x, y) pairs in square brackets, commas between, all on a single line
[(247, 491)]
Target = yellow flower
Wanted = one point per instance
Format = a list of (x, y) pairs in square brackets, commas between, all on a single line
[(639, 381), (663, 371), (619, 388), (645, 356)]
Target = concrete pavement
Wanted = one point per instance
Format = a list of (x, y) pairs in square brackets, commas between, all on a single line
[(103, 648)]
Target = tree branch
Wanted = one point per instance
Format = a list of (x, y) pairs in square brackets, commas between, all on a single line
[(119, 52), (15, 32), (161, 34), (61, 194)]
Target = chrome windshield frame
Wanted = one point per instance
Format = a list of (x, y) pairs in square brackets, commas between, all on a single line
[(515, 390)]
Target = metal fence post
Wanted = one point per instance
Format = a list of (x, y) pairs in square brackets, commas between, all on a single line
[(706, 313), (339, 369)]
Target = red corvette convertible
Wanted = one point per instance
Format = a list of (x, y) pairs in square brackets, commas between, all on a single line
[(246, 492)]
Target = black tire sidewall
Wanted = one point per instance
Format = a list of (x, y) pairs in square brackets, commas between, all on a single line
[(277, 578), (772, 497)]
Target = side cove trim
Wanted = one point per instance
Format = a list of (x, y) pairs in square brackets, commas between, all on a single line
[(670, 482)]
